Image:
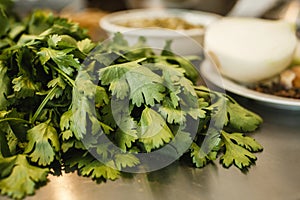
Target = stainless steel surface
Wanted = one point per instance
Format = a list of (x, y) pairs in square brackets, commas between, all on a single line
[(276, 175)]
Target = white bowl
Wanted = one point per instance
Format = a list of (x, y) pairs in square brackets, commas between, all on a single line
[(185, 42)]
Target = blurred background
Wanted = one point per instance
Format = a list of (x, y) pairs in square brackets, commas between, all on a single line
[(89, 12), (222, 7)]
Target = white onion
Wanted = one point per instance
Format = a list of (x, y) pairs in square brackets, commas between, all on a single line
[(248, 50)]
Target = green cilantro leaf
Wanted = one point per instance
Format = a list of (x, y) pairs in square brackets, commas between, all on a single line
[(211, 140), (126, 134), (94, 92), (54, 40), (85, 85), (8, 139), (4, 86), (150, 89), (39, 22), (90, 167), (84, 114), (85, 46), (97, 170), (202, 105), (71, 143), (12, 140), (247, 142), (43, 144), (190, 70), (4, 23), (173, 115), (206, 150), (16, 30), (14, 126), (101, 97), (22, 178), (124, 140), (65, 120), (65, 42), (6, 165), (236, 154), (4, 146), (125, 160), (57, 81), (122, 79), (241, 119), (153, 130), (66, 62), (66, 135), (114, 113), (58, 86), (181, 93), (114, 76), (24, 87), (200, 159), (216, 108)]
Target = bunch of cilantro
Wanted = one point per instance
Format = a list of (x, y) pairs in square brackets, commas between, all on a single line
[(65, 102)]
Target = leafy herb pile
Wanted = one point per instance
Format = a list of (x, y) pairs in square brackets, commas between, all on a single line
[(61, 95)]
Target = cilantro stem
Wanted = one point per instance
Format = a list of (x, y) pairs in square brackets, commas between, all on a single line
[(206, 90), (202, 89), (43, 104), (14, 119), (224, 136), (71, 81)]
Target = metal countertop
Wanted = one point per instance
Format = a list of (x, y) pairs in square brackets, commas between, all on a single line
[(275, 176)]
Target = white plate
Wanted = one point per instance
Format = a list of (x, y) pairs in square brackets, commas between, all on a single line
[(211, 74)]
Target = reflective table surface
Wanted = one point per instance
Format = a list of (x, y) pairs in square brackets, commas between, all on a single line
[(276, 175)]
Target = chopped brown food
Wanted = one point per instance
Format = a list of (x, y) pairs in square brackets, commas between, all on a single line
[(296, 81), (286, 84), (278, 90), (286, 78), (164, 22)]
